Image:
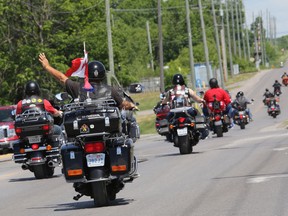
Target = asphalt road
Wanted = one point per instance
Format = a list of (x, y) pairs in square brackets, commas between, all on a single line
[(243, 173)]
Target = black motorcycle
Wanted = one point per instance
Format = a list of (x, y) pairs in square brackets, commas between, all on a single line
[(99, 159), (273, 108), (184, 127), (241, 117), (37, 149)]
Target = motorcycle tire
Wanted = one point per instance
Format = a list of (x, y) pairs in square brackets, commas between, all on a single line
[(219, 131), (99, 193), (39, 171), (242, 125), (184, 145)]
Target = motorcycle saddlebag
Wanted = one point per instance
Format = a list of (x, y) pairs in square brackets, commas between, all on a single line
[(72, 159), (34, 124), (88, 121), (121, 156)]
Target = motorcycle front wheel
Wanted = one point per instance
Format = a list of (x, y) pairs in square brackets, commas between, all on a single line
[(99, 193), (184, 145)]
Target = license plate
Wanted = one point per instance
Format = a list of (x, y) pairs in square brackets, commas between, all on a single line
[(182, 131), (34, 139), (95, 160), (217, 123)]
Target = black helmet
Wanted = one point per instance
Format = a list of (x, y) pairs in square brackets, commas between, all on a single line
[(266, 89), (213, 83), (276, 81), (96, 71), (240, 94), (32, 88), (178, 80)]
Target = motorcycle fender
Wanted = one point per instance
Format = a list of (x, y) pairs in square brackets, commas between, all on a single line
[(97, 173), (217, 123)]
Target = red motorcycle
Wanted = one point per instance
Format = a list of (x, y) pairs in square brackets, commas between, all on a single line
[(218, 120), (285, 81)]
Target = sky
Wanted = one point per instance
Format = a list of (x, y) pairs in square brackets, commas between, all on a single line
[(276, 8)]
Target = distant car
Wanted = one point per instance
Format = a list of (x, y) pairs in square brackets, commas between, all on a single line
[(7, 131), (136, 88)]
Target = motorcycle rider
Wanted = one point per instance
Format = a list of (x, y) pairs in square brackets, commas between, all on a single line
[(277, 87), (96, 76), (284, 75), (188, 94), (241, 101), (34, 100), (221, 95), (267, 95)]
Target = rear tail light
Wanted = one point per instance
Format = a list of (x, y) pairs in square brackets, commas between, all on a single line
[(46, 129), (241, 116), (94, 147), (217, 118), (34, 146), (181, 120), (18, 131)]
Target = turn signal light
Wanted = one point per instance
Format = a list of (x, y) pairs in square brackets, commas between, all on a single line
[(48, 147), (171, 126), (22, 150), (75, 172), (119, 168), (192, 124)]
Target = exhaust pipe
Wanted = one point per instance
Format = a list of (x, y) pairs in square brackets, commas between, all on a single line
[(24, 166), (54, 163)]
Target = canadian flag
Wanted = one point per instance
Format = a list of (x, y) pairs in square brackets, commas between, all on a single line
[(79, 68)]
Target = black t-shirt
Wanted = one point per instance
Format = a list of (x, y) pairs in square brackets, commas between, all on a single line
[(73, 87)]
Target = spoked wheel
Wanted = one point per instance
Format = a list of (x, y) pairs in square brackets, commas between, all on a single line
[(219, 131), (184, 146), (100, 194)]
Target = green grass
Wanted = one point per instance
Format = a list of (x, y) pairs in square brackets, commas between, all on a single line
[(147, 100), (146, 124)]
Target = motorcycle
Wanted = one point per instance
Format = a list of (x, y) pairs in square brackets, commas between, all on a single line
[(273, 108), (161, 122), (37, 149), (130, 126), (277, 92), (285, 81), (184, 127), (241, 117), (98, 159), (218, 121)]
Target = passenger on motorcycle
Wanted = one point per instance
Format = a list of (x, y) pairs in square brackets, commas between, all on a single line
[(96, 76), (277, 87), (221, 95), (180, 95), (34, 100), (241, 103)]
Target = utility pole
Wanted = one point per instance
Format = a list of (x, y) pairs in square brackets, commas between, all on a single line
[(223, 44), (191, 60), (161, 62), (204, 40), (233, 30), (109, 35), (261, 39), (229, 40), (217, 41), (247, 35), (238, 31), (256, 43), (150, 46), (241, 30)]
